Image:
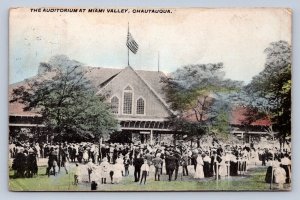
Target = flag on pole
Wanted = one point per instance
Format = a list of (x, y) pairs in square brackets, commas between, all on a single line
[(131, 44)]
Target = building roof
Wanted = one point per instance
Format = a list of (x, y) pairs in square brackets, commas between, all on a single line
[(99, 77), (239, 117), (16, 108)]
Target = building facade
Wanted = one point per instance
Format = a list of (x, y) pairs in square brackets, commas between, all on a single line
[(137, 100), (135, 96), (139, 104)]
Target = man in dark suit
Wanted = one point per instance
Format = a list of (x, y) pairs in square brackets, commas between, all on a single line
[(138, 161), (213, 165), (178, 158), (172, 163)]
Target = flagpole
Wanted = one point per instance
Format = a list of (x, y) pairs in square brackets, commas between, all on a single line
[(128, 47)]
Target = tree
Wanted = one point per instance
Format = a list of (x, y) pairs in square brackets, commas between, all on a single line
[(200, 91), (66, 100), (271, 89)]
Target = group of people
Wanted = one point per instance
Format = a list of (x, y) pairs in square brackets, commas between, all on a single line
[(24, 159), (108, 163)]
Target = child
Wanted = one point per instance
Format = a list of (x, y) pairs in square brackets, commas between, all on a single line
[(90, 166), (145, 171), (126, 164), (55, 168), (76, 174), (104, 167)]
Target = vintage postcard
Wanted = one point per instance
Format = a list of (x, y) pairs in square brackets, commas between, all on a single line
[(150, 99)]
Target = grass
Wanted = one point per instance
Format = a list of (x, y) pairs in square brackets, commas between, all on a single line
[(252, 181)]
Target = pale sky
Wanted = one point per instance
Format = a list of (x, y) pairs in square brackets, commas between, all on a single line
[(236, 37)]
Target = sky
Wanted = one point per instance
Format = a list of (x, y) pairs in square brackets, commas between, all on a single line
[(236, 37)]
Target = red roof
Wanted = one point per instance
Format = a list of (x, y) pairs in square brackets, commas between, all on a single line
[(239, 117)]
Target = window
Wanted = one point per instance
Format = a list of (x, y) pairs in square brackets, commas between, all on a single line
[(128, 88), (114, 105), (127, 100), (140, 106), (127, 107)]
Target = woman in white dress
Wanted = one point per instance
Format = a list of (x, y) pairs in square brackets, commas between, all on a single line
[(85, 156), (118, 169), (279, 174), (222, 165), (199, 167)]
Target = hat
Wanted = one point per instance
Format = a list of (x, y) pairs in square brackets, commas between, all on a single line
[(21, 149)]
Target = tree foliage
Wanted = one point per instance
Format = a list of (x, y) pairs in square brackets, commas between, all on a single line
[(66, 100), (201, 91), (271, 89)]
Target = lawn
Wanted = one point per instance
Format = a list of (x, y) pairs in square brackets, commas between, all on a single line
[(252, 181)]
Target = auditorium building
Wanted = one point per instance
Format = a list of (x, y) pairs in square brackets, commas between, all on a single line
[(136, 99), (139, 104)]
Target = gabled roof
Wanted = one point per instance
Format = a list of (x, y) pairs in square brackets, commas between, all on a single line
[(157, 90), (99, 77), (152, 79)]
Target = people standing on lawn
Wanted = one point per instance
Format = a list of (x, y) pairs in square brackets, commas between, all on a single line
[(208, 161), (145, 171), (185, 163), (206, 165), (199, 173), (137, 163), (158, 163), (126, 164), (172, 163), (104, 170), (118, 169)]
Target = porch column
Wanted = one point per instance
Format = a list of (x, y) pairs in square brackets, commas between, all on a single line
[(151, 137), (243, 137)]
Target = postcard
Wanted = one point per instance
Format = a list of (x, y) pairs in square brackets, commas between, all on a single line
[(150, 99)]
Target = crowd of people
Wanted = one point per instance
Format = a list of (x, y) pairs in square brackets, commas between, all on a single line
[(109, 163)]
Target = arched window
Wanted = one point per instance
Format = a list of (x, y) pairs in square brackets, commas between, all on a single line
[(140, 106), (127, 101), (114, 105)]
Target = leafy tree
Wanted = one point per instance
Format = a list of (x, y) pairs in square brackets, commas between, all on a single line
[(200, 91), (66, 100), (271, 90)]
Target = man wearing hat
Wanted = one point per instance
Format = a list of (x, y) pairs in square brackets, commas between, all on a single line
[(177, 156), (171, 162), (19, 163), (184, 163), (32, 167), (157, 162), (138, 161)]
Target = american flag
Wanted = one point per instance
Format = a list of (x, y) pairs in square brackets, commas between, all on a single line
[(131, 44)]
